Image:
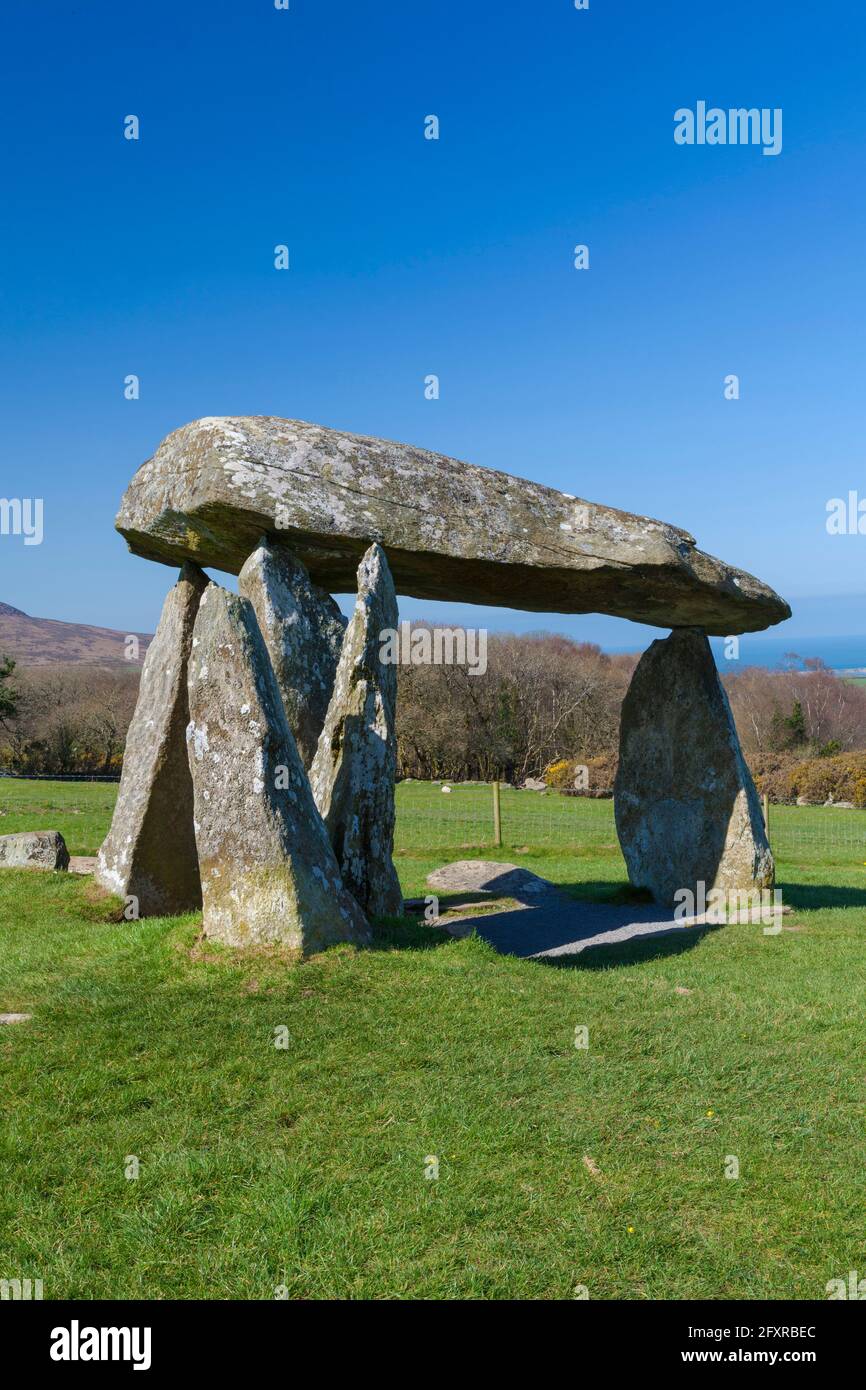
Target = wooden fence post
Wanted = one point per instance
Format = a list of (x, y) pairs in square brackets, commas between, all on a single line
[(497, 816)]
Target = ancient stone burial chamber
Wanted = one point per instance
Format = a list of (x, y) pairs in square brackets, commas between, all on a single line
[(278, 815)]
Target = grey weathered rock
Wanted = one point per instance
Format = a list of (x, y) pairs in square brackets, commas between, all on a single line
[(534, 784), (268, 872), (34, 849), (149, 852), (451, 530), (490, 876), (303, 630), (685, 803), (353, 772)]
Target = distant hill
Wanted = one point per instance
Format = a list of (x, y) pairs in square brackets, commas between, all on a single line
[(44, 642)]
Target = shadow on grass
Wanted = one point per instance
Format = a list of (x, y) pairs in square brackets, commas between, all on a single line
[(568, 937), (814, 896), (598, 891), (637, 952), (406, 934)]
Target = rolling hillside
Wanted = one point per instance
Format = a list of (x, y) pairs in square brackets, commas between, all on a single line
[(44, 642)]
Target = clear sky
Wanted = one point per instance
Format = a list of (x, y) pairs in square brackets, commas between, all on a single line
[(411, 256)]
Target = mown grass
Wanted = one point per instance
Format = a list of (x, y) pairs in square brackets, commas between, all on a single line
[(304, 1167), (444, 823), (81, 811)]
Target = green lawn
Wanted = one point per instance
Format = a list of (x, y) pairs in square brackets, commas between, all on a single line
[(81, 811), (305, 1167)]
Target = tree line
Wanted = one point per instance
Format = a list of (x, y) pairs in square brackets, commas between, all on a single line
[(544, 701), (57, 720)]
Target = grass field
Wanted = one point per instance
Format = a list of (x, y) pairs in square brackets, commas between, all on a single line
[(304, 1168)]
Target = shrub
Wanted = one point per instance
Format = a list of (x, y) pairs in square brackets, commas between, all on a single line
[(785, 777), (598, 779), (560, 774)]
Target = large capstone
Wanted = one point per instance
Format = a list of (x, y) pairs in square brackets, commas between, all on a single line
[(34, 849), (687, 812), (353, 772), (149, 853), (303, 630), (452, 530), (268, 872)]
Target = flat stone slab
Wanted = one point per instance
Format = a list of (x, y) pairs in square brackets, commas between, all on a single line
[(15, 1018), (546, 923), (34, 849), (82, 864), (490, 876), (451, 530)]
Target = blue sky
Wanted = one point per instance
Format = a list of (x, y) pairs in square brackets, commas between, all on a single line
[(452, 257)]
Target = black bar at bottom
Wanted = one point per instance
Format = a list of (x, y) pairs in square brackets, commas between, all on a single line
[(84, 1339)]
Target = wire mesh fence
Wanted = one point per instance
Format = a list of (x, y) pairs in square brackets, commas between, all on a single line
[(433, 814), (824, 830), (431, 818)]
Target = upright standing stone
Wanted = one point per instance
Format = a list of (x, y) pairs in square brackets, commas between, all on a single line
[(353, 772), (303, 630), (268, 872), (686, 807), (149, 852)]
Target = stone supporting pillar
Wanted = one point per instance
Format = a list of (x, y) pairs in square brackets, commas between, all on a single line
[(268, 872), (303, 630), (352, 775), (686, 807), (149, 852)]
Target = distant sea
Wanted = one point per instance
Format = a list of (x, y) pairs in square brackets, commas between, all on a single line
[(840, 617), (846, 654), (759, 649)]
